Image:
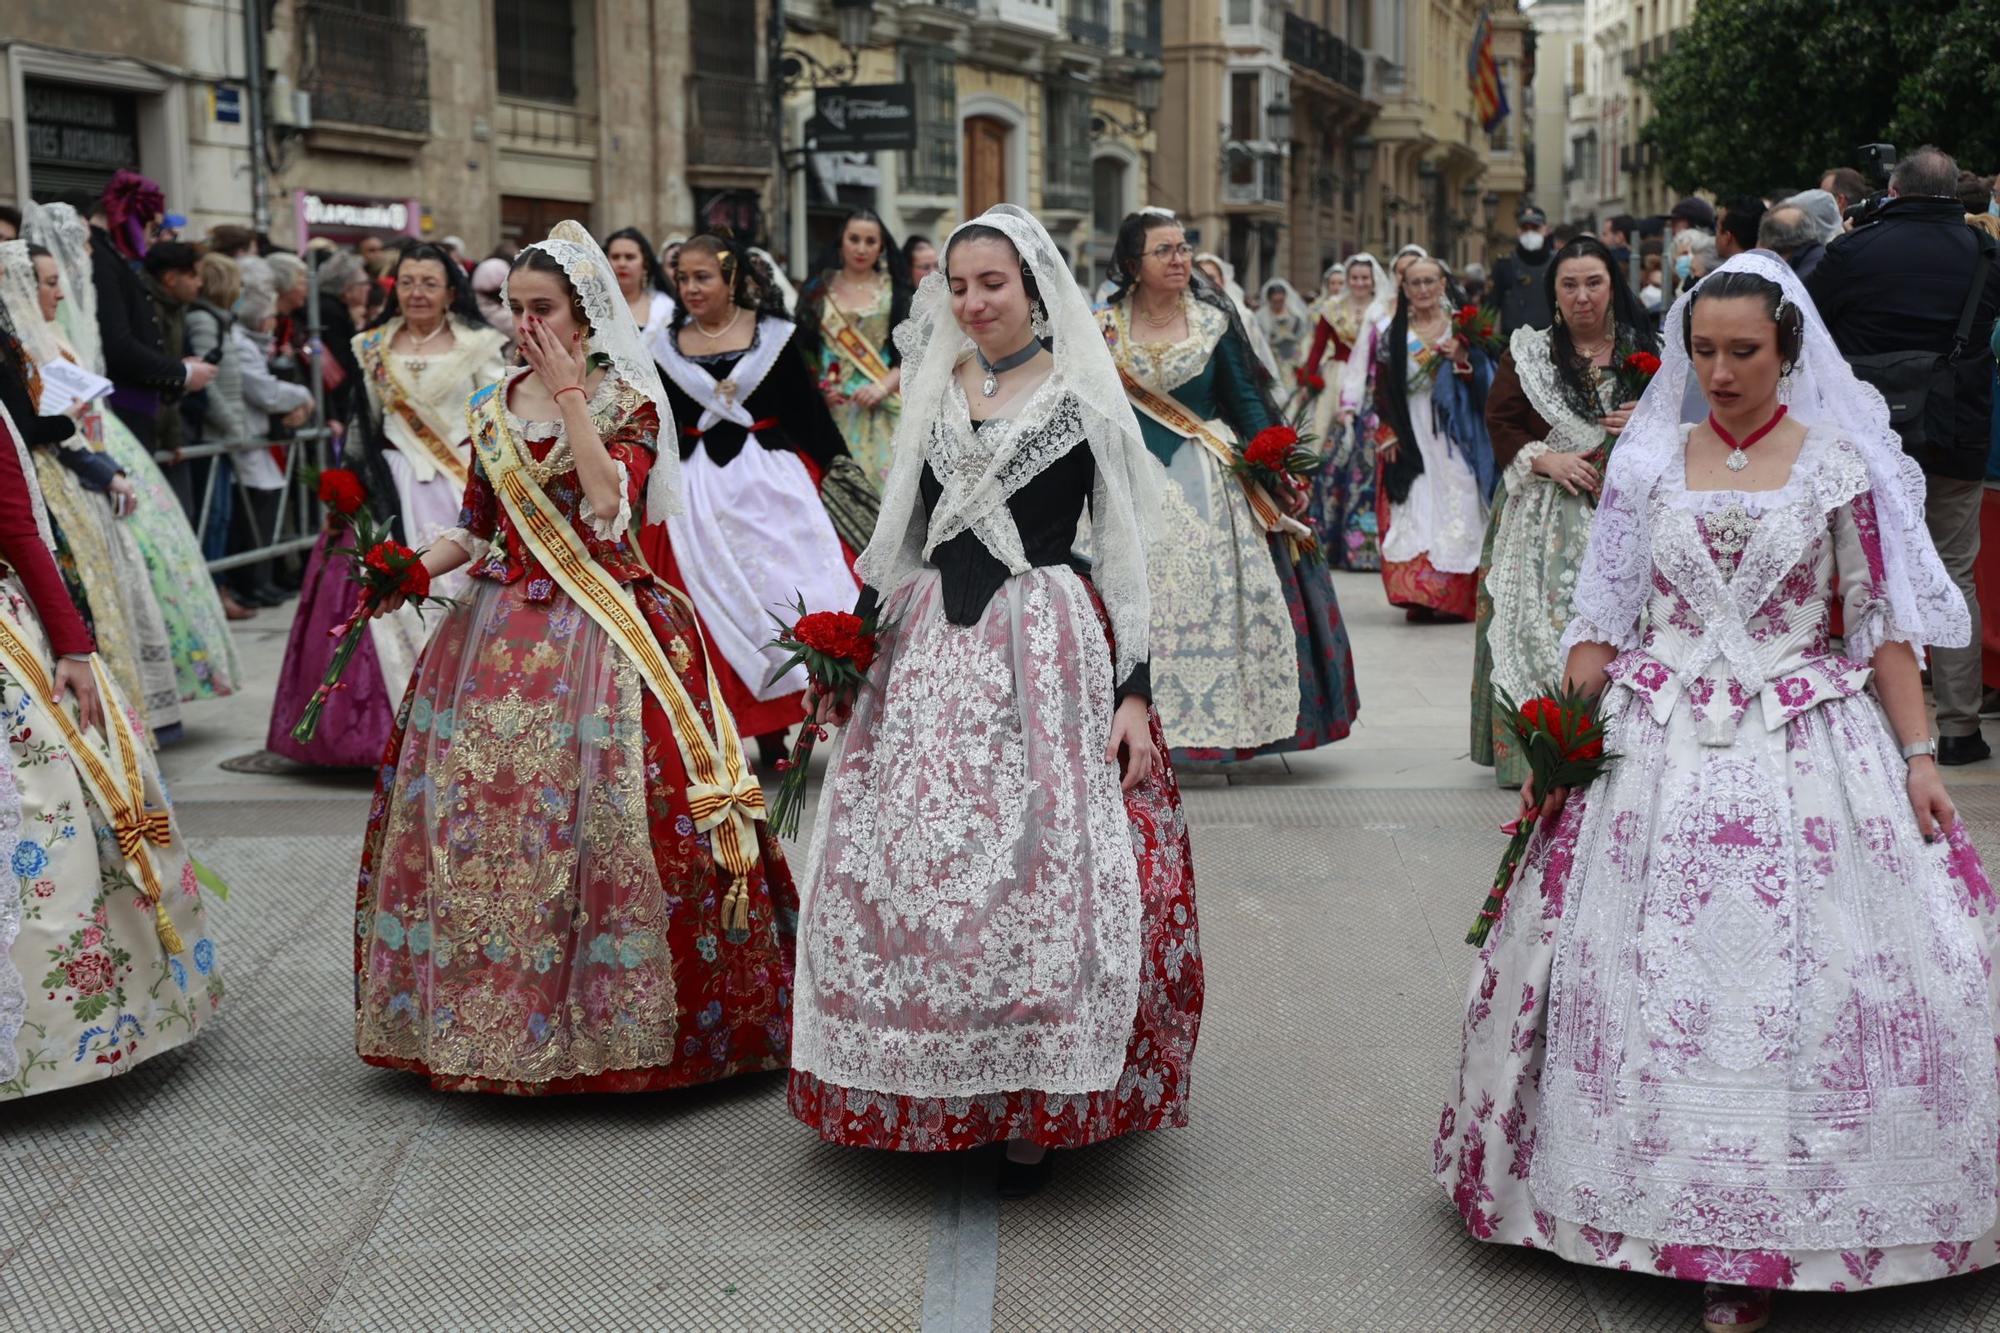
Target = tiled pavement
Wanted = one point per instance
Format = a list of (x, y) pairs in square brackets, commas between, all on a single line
[(264, 1179)]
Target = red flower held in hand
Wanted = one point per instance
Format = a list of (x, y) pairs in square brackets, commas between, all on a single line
[(1543, 714), (416, 580), (834, 633), (1643, 363), (1466, 314), (1271, 447), (341, 491), (389, 557)]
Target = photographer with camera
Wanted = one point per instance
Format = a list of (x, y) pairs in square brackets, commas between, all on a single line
[(1910, 296)]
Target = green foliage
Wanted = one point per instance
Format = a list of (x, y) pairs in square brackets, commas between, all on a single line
[(1763, 93)]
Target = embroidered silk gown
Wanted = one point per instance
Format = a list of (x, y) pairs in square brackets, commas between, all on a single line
[(995, 942), (537, 911), (90, 981), (755, 535), (1343, 494), (1736, 1022), (870, 431), (408, 486), (1250, 655)]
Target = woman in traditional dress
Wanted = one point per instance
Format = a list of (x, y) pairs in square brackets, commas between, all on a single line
[(1342, 511), (1557, 396), (648, 290), (848, 314), (86, 491), (203, 649), (996, 942), (1282, 317), (1250, 654), (1736, 1022), (755, 443), (1332, 287), (1429, 389), (409, 442), (566, 884), (105, 956)]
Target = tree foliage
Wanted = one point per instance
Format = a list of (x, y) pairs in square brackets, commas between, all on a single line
[(1763, 93)]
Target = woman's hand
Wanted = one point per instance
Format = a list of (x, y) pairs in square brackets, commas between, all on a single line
[(834, 397), (1936, 815), (1294, 496), (1615, 421), (74, 677), (298, 416), (558, 367), (76, 411), (827, 710), (1569, 471), (1388, 449), (870, 396), (1547, 809), (1132, 731), (124, 496)]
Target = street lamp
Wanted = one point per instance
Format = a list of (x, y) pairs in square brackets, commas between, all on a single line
[(1361, 154), (1278, 119), (854, 18), (1148, 77), (1491, 203), (1468, 196)]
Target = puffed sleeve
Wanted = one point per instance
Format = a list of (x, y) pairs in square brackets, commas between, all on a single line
[(632, 446), (1858, 565), (479, 512), (21, 547)]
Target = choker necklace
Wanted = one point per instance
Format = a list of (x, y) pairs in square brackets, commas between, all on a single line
[(990, 386), (1738, 460)]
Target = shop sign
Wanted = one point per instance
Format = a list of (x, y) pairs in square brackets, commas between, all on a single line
[(76, 126), (866, 118), (321, 213)]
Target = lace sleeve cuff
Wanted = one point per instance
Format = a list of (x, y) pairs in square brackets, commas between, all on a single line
[(1582, 629), (1867, 625), (1522, 467), (476, 547), (608, 528)]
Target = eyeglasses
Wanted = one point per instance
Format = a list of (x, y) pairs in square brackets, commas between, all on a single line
[(1167, 253)]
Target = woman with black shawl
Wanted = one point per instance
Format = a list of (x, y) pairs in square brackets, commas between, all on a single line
[(1559, 397), (1429, 387)]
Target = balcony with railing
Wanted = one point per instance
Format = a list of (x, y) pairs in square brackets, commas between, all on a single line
[(1313, 47), (730, 124), (364, 70), (1254, 178), (1089, 22), (1142, 36)]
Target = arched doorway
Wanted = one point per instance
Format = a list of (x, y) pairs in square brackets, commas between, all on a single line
[(986, 182)]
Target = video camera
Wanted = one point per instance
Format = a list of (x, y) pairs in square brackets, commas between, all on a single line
[(1877, 160)]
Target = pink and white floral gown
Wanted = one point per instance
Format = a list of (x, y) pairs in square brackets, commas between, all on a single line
[(1737, 1022)]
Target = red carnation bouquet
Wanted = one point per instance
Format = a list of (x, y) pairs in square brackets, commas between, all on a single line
[(1479, 326), (1310, 380), (1632, 374), (341, 491), (383, 568), (1562, 737), (836, 648)]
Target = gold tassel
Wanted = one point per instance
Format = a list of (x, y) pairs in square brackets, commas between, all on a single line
[(736, 906), (170, 939)]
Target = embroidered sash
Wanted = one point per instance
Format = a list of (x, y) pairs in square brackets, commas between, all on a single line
[(845, 337), (722, 400), (120, 790), (398, 397), (725, 799), (1169, 413)]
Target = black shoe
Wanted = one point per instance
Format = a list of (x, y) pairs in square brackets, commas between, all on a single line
[(1954, 750), (1989, 703), (1023, 1180)]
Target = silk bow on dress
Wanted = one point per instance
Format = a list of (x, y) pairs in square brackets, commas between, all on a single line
[(713, 804)]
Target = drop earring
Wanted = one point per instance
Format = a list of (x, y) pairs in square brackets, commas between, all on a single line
[(1038, 321)]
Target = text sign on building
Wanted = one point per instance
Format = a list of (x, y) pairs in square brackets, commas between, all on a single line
[(867, 118), (350, 214), (74, 126)]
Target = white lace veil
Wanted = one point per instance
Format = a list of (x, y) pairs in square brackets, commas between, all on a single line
[(1384, 285), (1252, 329), (20, 311), (1124, 503), (60, 230), (615, 333), (1925, 606)]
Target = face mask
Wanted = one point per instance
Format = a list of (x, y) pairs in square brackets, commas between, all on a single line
[(1532, 241), (1993, 208), (1684, 267)]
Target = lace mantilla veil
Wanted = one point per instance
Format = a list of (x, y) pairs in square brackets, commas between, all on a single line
[(615, 333), (60, 230), (1925, 606), (978, 481)]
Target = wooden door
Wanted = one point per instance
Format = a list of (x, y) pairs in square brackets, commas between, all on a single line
[(985, 163), (525, 220)]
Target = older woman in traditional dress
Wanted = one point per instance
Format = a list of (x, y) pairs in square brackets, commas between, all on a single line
[(1429, 389), (1250, 653), (566, 883), (87, 492), (410, 443), (1736, 1021), (203, 649), (997, 939), (1556, 401), (105, 955)]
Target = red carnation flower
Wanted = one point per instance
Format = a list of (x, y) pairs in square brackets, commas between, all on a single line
[(416, 580), (1643, 363), (341, 491), (1271, 447), (389, 557), (1466, 314)]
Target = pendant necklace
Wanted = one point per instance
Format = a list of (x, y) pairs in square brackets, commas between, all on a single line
[(1738, 460), (990, 386), (413, 360)]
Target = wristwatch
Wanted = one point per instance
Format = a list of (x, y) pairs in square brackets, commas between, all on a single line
[(1923, 749)]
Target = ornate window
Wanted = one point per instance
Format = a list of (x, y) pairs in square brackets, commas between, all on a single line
[(932, 166)]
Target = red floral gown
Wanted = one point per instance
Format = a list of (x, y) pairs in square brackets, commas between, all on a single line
[(536, 910)]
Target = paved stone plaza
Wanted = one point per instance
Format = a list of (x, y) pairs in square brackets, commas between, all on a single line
[(265, 1179)]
